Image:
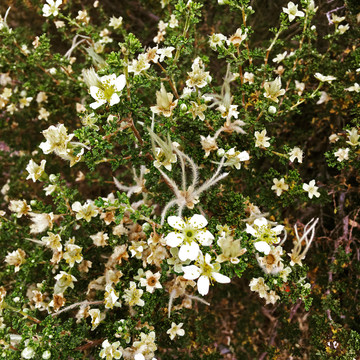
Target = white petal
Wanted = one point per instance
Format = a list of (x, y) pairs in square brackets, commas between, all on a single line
[(198, 222), (250, 230), (190, 252), (203, 284), (114, 99), (191, 272), (220, 278), (207, 258), (176, 222), (93, 92), (262, 246), (260, 222), (97, 104), (76, 206), (278, 229), (45, 147), (120, 82), (174, 239), (205, 238)]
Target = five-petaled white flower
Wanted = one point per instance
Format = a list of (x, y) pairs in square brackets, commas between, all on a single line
[(324, 78), (265, 235), (176, 330), (296, 153), (311, 189), (35, 171), (51, 8), (261, 139), (279, 186), (355, 87), (273, 89), (190, 233), (342, 154), (279, 57), (292, 11), (107, 89), (57, 140), (110, 351), (63, 281), (216, 40), (353, 137), (204, 272)]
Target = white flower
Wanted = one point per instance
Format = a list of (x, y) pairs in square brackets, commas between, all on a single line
[(100, 239), (164, 102), (16, 258), (198, 76), (115, 22), (111, 297), (238, 37), (324, 98), (216, 40), (342, 154), (51, 8), (20, 207), (46, 355), (273, 89), (311, 189), (189, 233), (333, 138), (234, 158), (258, 285), (176, 330), (324, 78), (261, 139), (208, 144), (64, 280), (72, 253), (197, 110), (40, 222), (141, 64), (248, 77), (353, 137), (165, 52), (86, 211), (292, 11), (28, 353), (280, 57), (52, 241), (173, 23), (151, 281), (271, 263), (279, 186), (96, 318), (57, 140), (132, 296), (337, 19), (342, 29), (300, 87), (110, 351), (296, 153), (264, 234), (43, 114), (204, 273), (355, 87), (107, 89), (49, 189), (35, 171)]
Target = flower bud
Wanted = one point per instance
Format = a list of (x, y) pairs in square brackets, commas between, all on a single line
[(272, 110), (183, 107)]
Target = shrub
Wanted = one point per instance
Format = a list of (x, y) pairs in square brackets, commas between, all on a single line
[(153, 150)]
